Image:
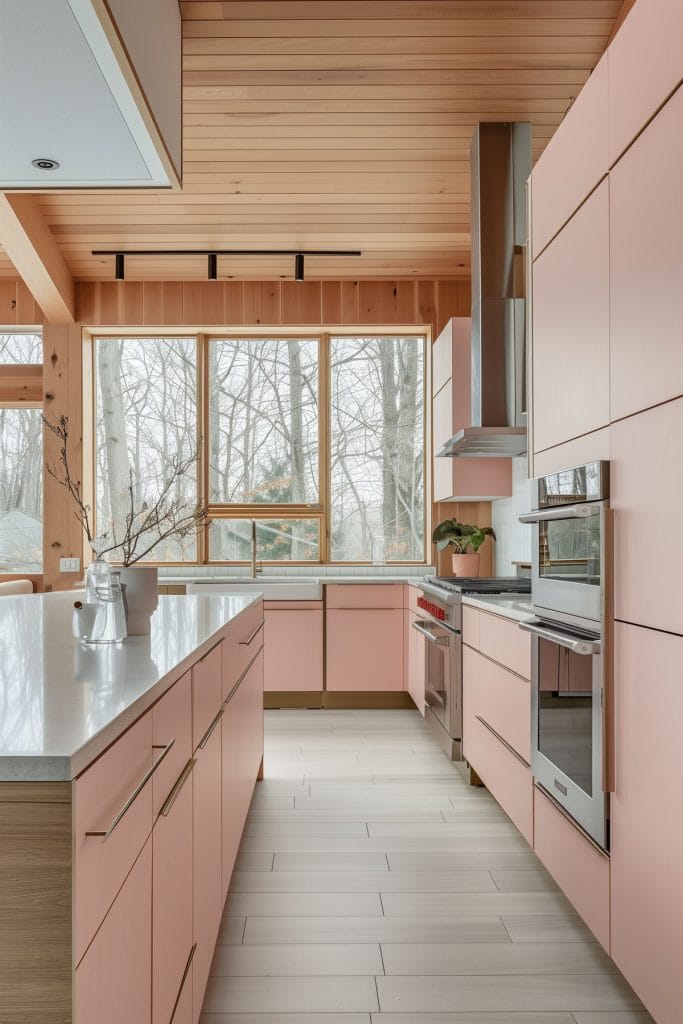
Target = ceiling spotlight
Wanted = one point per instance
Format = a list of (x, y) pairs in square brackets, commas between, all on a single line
[(213, 266), (44, 163), (299, 267), (120, 273)]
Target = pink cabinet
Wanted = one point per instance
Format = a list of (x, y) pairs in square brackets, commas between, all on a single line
[(573, 162), (365, 649), (577, 865), (243, 638), (647, 496), (113, 982), (503, 641), (414, 661), (645, 66), (172, 728), (503, 700), (470, 627), (646, 261), (206, 692), (107, 842), (294, 646), (646, 823), (242, 751), (571, 327), (207, 887), (364, 595)]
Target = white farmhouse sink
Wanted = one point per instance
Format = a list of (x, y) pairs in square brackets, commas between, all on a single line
[(274, 588)]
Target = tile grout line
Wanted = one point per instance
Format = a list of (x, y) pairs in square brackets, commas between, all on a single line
[(505, 928)]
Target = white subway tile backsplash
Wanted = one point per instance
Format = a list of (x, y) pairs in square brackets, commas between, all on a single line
[(513, 539)]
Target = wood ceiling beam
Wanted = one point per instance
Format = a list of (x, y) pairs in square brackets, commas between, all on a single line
[(32, 248)]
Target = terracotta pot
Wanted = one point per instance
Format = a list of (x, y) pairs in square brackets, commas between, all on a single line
[(466, 565), (141, 597)]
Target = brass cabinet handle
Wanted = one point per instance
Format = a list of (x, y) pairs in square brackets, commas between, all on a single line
[(134, 795), (246, 643), (207, 735), (505, 743), (183, 980), (241, 678), (177, 786)]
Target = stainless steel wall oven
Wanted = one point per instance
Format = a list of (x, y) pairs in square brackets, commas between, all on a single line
[(571, 558)]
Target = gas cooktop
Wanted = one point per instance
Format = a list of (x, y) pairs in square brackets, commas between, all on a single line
[(482, 584)]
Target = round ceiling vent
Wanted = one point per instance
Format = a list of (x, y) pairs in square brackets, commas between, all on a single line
[(43, 163)]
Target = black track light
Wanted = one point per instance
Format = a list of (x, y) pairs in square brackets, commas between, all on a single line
[(299, 267), (120, 273), (213, 266)]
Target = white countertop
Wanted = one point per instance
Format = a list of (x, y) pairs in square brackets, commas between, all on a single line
[(64, 702), (510, 607), (168, 581)]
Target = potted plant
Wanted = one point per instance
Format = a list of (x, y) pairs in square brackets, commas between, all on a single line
[(143, 528), (465, 541)]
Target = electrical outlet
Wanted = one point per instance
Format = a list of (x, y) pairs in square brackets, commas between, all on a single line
[(69, 565)]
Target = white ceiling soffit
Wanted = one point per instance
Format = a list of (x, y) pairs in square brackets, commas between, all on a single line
[(64, 97)]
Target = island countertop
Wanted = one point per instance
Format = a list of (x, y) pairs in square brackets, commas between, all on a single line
[(64, 702)]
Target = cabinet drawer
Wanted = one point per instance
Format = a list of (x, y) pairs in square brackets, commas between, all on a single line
[(365, 595), (240, 644), (101, 862), (501, 698), (470, 627), (578, 867), (171, 723), (410, 596), (113, 982), (504, 775), (206, 692), (503, 641)]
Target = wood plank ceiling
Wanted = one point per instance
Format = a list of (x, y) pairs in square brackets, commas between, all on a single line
[(341, 124)]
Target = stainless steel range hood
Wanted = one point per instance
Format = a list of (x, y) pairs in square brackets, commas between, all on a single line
[(501, 165)]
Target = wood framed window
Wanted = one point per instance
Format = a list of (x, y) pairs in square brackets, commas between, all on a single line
[(317, 438)]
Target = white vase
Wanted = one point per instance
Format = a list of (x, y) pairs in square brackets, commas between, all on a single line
[(141, 596)]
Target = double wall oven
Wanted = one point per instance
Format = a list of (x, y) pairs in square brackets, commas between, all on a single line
[(571, 550), (441, 603)]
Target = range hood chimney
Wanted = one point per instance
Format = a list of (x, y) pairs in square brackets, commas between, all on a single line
[(501, 165)]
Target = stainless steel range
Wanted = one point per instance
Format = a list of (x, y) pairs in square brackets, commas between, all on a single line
[(441, 600)]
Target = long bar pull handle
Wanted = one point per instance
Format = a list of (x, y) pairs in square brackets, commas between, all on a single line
[(577, 644), (247, 643), (440, 641), (178, 785), (583, 511), (207, 735), (183, 980), (134, 795), (241, 678)]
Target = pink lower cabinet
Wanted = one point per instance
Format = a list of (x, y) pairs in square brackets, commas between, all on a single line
[(504, 772), (113, 981), (207, 857), (207, 679), (293, 646), (577, 865), (646, 819), (172, 936), (365, 649), (414, 661)]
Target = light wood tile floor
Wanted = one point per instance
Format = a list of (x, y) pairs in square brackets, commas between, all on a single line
[(374, 886)]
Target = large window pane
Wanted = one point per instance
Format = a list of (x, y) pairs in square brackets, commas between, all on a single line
[(21, 490), (263, 421), (20, 347), (277, 540), (377, 448), (146, 428)]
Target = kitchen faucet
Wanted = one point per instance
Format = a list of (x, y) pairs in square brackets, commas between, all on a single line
[(254, 571)]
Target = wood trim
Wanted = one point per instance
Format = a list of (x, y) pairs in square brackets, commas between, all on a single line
[(36, 899), (277, 699), (361, 699), (620, 19), (21, 385), (31, 246)]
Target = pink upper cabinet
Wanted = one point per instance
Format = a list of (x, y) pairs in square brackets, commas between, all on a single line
[(647, 496), (646, 266), (646, 823), (573, 163), (645, 66), (571, 327)]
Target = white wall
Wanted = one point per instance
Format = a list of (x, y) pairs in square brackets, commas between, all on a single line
[(513, 539)]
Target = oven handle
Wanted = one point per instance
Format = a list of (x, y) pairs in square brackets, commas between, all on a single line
[(584, 511), (440, 641), (574, 643)]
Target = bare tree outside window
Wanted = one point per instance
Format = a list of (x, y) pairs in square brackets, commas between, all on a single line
[(377, 455), (21, 347), (146, 424)]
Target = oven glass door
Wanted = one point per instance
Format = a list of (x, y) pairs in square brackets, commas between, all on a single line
[(569, 550), (438, 668)]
